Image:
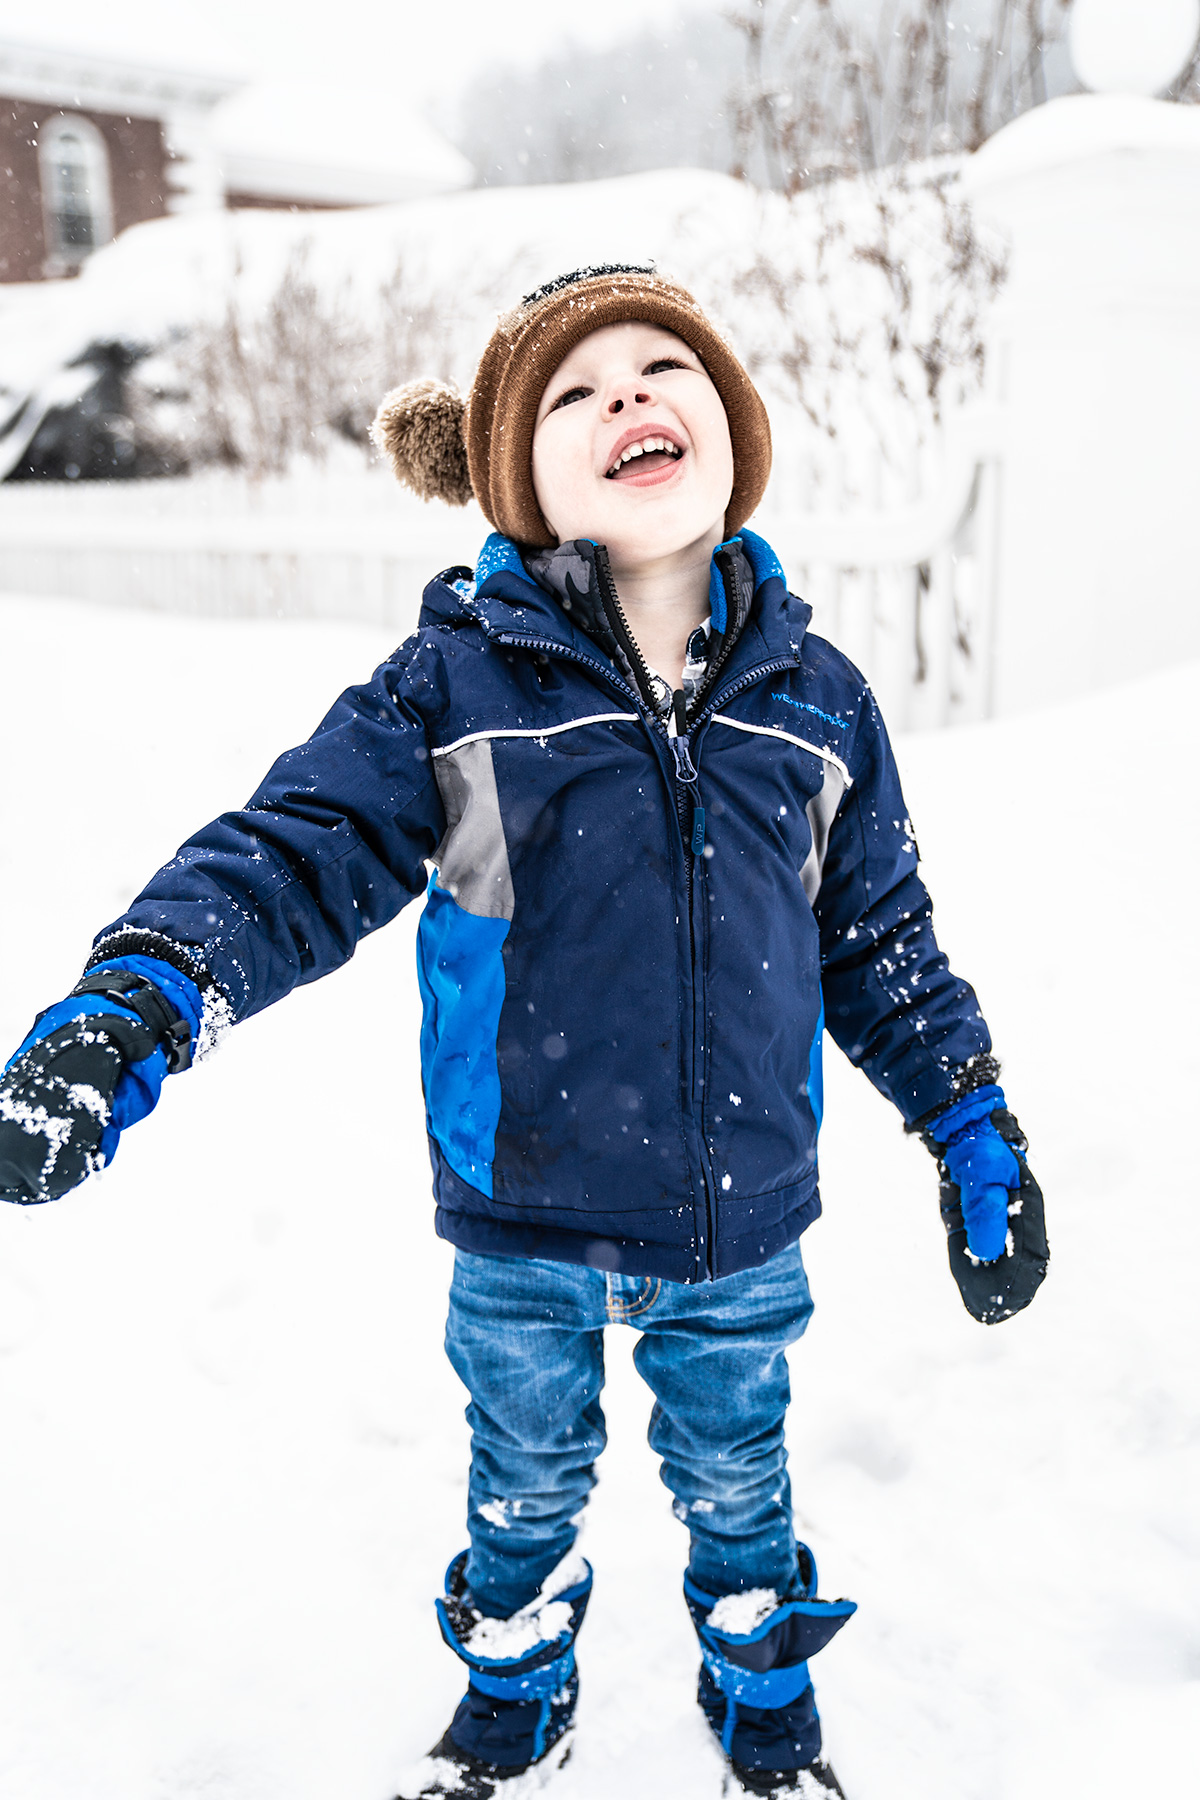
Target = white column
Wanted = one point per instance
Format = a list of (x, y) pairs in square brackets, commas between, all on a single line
[(1096, 362), (194, 175)]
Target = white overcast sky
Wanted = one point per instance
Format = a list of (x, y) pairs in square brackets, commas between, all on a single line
[(420, 47)]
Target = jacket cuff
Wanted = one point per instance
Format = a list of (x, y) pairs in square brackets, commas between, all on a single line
[(217, 1014), (150, 943), (977, 1072)]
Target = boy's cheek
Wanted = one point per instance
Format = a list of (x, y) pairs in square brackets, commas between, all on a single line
[(566, 494)]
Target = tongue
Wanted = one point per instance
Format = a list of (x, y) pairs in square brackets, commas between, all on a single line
[(643, 464)]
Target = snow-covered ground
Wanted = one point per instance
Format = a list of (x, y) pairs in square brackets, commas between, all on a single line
[(235, 1459)]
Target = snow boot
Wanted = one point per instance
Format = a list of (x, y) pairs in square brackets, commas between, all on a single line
[(755, 1689), (511, 1731)]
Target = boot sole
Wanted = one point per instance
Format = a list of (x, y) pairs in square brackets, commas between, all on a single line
[(808, 1787), (435, 1776)]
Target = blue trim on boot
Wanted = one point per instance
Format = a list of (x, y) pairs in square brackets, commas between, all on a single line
[(765, 1688), (538, 1684), (539, 1736)]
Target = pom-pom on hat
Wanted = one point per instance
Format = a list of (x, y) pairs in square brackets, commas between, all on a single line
[(445, 448), (419, 428)]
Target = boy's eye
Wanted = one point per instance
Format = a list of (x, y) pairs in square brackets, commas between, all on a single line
[(663, 362), (576, 393)]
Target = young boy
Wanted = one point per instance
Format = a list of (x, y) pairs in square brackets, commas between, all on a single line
[(668, 847)]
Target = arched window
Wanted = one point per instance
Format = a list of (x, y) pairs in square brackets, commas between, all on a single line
[(76, 190)]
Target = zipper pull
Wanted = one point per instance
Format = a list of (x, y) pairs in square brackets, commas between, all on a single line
[(685, 769)]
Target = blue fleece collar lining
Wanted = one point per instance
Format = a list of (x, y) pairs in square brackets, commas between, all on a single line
[(763, 560), (500, 555)]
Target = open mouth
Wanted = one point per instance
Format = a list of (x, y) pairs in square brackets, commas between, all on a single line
[(644, 458)]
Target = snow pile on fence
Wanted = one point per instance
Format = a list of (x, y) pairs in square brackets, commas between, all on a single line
[(236, 1458)]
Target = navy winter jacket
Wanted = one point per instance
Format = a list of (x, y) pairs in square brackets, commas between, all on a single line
[(626, 937)]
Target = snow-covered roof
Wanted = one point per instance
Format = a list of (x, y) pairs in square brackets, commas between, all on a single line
[(277, 140), (297, 140), (84, 78)]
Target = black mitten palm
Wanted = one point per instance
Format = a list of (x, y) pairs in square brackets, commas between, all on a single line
[(92, 1065), (56, 1101)]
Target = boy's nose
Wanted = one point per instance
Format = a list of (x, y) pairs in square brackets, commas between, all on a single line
[(628, 393)]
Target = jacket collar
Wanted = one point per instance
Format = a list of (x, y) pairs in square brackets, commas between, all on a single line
[(553, 597)]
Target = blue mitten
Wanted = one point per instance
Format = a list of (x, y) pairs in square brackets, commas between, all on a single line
[(93, 1064), (982, 1166)]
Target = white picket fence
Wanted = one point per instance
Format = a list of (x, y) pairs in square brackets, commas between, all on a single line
[(226, 569), (907, 592), (910, 592), (342, 546)]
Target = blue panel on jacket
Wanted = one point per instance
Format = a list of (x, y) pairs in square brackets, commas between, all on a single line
[(816, 1070), (461, 971)]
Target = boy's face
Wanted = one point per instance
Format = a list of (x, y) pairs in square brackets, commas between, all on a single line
[(623, 388)]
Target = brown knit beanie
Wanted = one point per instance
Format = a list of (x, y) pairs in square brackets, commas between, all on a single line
[(445, 448)]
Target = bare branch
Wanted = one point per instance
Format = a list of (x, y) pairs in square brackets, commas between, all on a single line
[(827, 91)]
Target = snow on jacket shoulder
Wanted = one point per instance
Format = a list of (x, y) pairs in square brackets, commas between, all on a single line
[(621, 1042)]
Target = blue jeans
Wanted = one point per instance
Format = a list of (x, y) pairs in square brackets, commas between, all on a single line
[(526, 1339)]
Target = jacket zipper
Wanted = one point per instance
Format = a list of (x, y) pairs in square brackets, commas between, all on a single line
[(687, 808), (686, 803), (743, 681), (554, 647), (618, 624), (692, 825), (726, 646), (688, 779)]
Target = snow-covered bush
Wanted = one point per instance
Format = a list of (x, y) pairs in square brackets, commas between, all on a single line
[(266, 385), (276, 377), (860, 309)]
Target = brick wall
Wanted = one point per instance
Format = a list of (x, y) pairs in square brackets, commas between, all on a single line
[(137, 168)]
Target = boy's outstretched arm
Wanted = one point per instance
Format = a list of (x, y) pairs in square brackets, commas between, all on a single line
[(895, 1007), (330, 847)]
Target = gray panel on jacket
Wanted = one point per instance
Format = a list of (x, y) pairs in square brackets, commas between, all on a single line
[(472, 858), (820, 812)]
